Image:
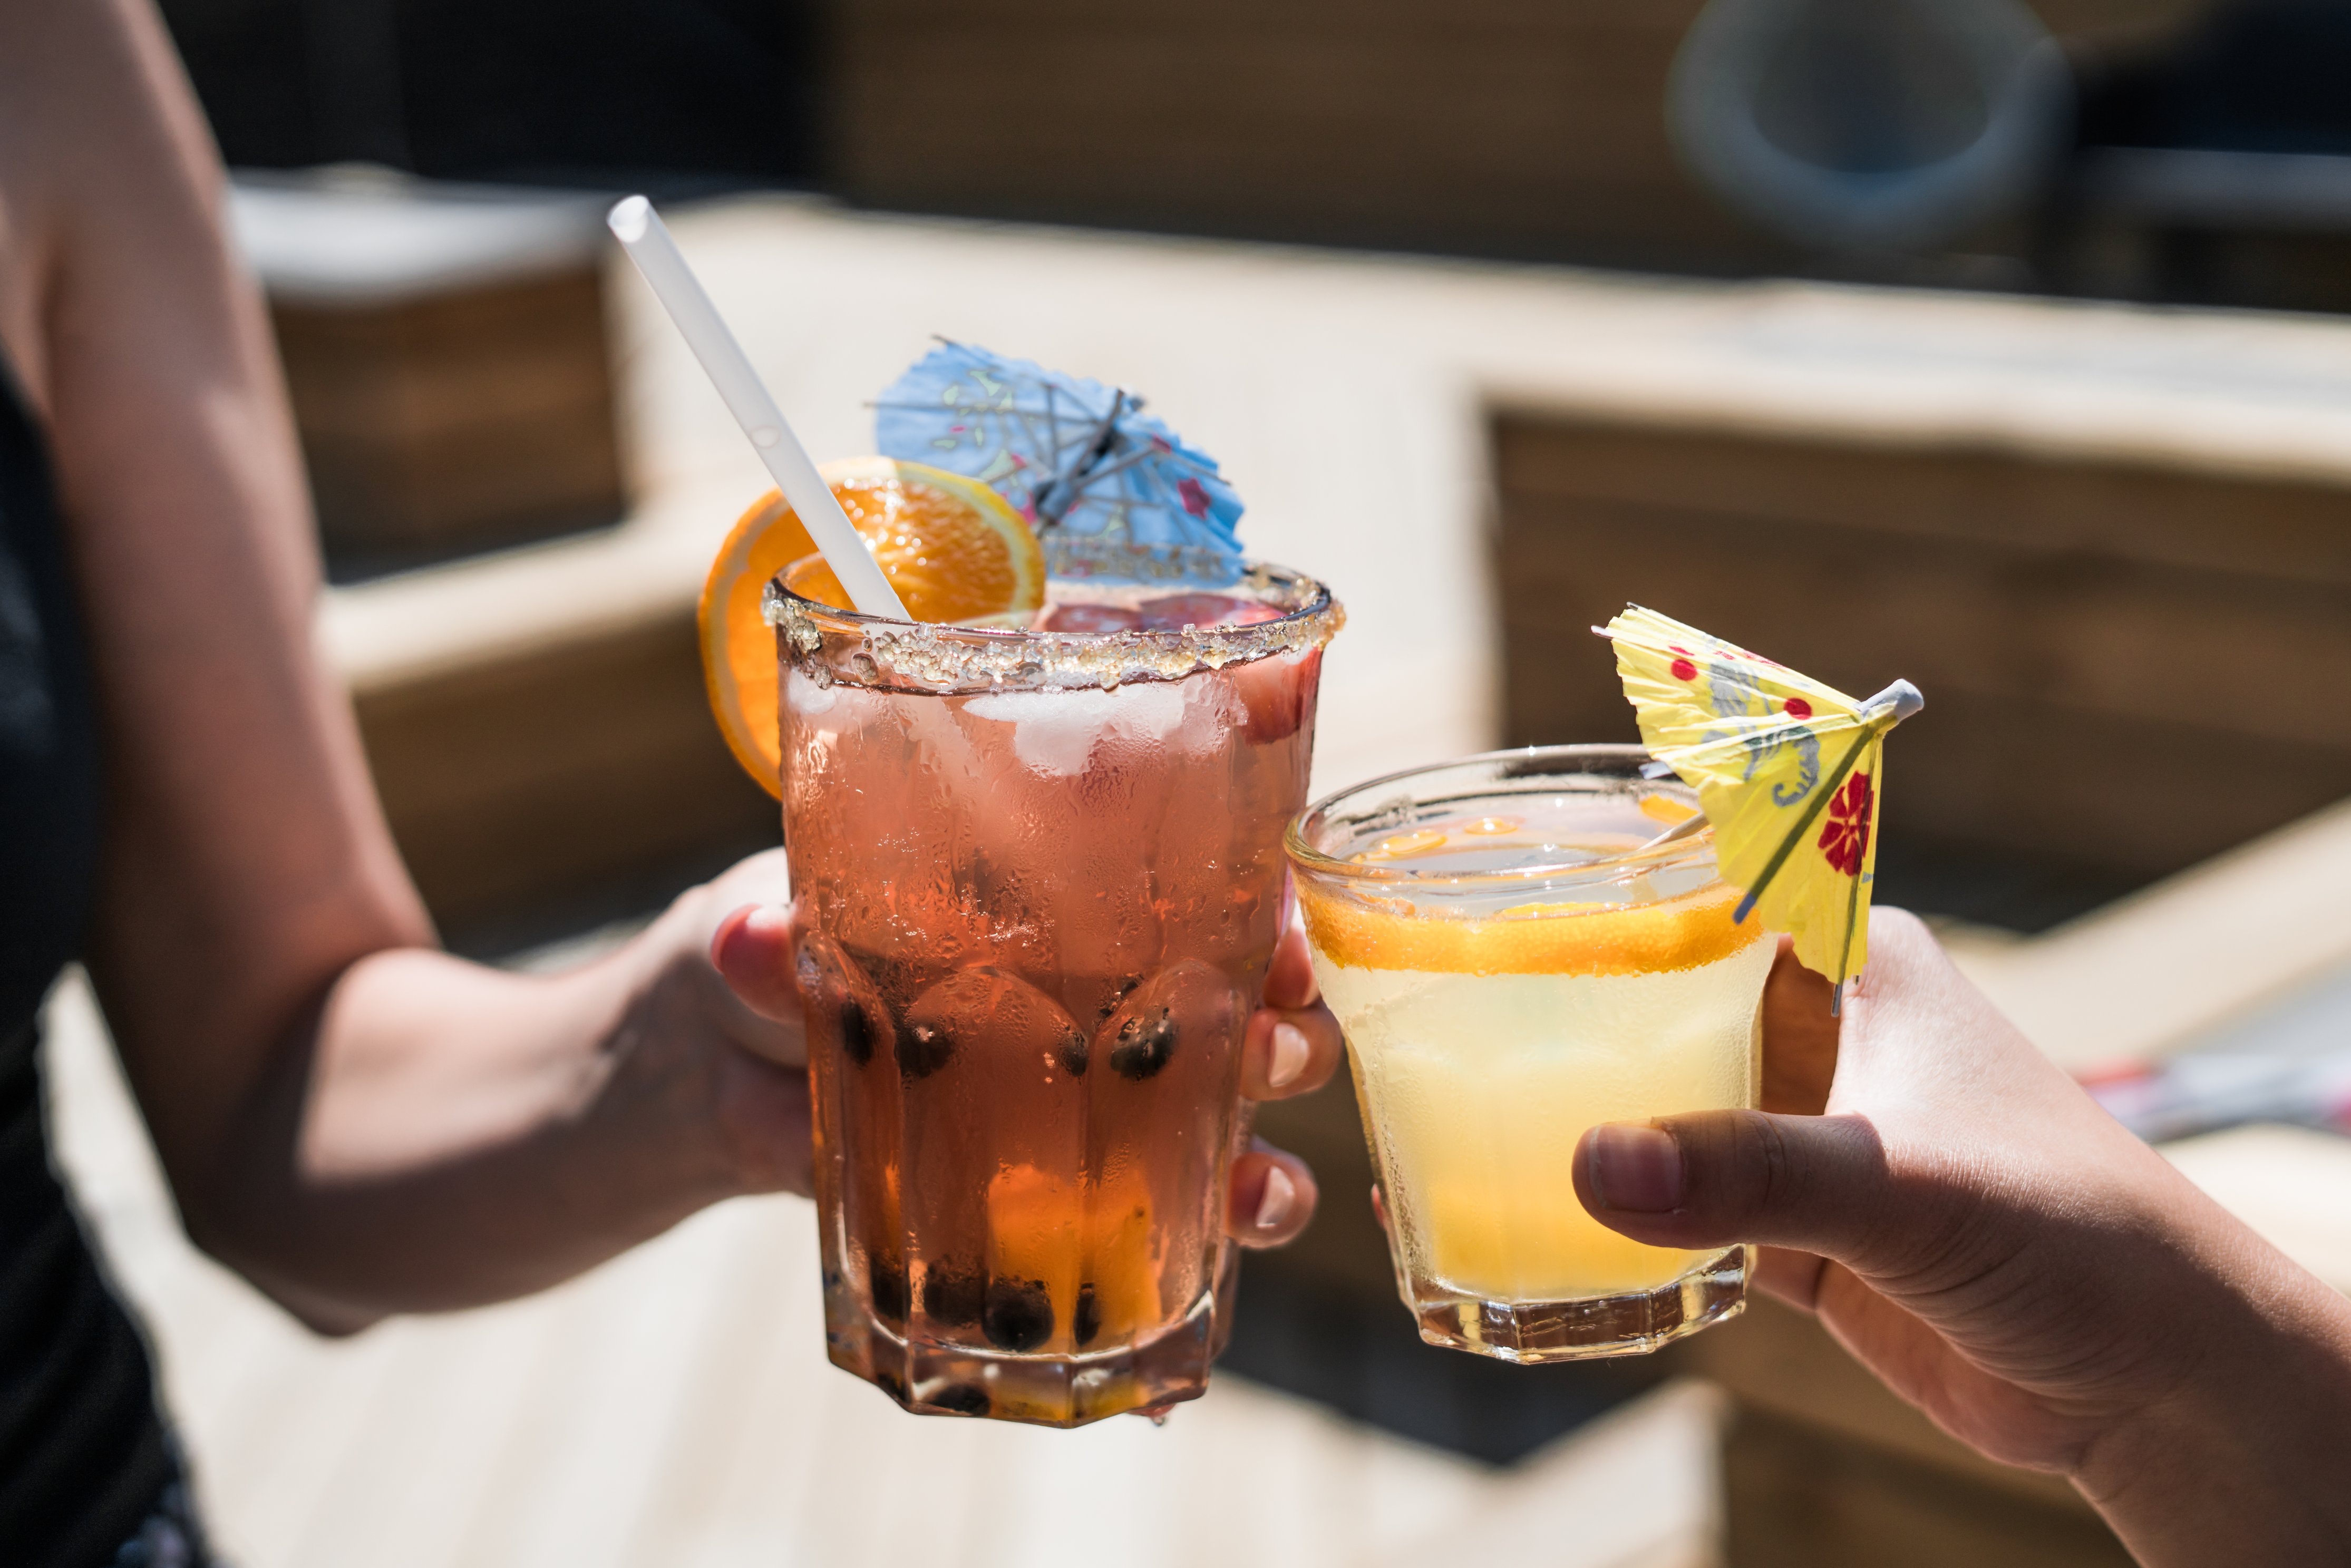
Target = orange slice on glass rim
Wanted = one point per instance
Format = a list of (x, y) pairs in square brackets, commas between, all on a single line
[(951, 546), (1683, 933)]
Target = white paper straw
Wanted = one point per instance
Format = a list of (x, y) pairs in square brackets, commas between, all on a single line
[(642, 235)]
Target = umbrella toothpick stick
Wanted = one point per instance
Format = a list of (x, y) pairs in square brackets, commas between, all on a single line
[(647, 240), (1674, 834)]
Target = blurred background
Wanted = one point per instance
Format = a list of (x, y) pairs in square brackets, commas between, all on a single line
[(1984, 343)]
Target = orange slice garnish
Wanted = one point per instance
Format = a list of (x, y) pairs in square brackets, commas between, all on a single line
[(1532, 939), (950, 545)]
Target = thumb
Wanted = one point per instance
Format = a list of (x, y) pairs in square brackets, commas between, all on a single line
[(1817, 1184)]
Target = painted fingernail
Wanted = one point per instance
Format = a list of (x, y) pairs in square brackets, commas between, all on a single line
[(1290, 1053), (1274, 1204), (1637, 1170)]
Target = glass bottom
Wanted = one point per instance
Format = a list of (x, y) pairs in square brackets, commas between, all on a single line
[(1533, 1332), (932, 1379)]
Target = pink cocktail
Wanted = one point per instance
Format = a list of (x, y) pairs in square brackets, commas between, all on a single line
[(1039, 877)]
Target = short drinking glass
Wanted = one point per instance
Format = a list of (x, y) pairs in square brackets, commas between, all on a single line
[(1510, 968)]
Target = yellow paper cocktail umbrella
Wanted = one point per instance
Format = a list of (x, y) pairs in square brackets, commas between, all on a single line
[(1789, 771)]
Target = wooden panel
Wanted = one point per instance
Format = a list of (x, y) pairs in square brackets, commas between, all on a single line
[(1487, 125), (2298, 532), (517, 784), (1822, 1467), (1508, 126), (1780, 1362), (1796, 1497), (2124, 668), (458, 419)]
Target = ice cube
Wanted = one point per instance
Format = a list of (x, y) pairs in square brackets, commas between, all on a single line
[(1056, 732), (985, 1008), (1278, 692), (1189, 1005), (844, 1007), (805, 697)]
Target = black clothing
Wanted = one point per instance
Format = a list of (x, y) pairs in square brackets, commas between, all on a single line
[(85, 1459)]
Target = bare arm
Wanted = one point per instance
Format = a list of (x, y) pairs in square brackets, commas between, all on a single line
[(357, 1123)]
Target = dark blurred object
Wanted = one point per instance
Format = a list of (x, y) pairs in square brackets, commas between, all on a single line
[(1482, 126), (1871, 124), (2209, 1091), (1520, 128), (1360, 1353), (446, 353), (2215, 168), (720, 91), (2101, 640), (2253, 76)]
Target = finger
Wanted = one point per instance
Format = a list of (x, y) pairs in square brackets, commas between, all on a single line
[(1286, 1053), (765, 1115), (1273, 1197), (776, 1029), (1912, 1357), (1815, 1183), (1799, 1037), (752, 950), (1794, 1277), (763, 878), (1290, 978)]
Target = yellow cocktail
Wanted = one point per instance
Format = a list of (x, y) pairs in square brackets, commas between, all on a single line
[(1511, 968)]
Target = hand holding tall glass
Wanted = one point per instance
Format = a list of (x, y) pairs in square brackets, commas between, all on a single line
[(1035, 840)]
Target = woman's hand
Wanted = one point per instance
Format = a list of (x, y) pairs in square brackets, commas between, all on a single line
[(1292, 1046), (2004, 1255)]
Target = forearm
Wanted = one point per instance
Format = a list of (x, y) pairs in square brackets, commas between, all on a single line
[(438, 1134), (361, 1125), (2251, 1460)]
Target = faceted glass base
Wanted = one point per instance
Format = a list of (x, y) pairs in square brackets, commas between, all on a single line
[(1531, 1333), (932, 1379)]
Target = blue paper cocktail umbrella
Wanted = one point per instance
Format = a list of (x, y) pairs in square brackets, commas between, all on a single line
[(1067, 453)]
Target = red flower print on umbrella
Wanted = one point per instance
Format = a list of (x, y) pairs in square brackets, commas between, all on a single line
[(1845, 839)]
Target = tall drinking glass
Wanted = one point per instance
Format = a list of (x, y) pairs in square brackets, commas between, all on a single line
[(1039, 877), (1511, 969)]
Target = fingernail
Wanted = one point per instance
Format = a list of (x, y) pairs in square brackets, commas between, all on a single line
[(1290, 1053), (1635, 1169), (1274, 1204)]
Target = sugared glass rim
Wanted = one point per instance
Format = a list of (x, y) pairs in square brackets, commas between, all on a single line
[(1484, 777), (876, 650)]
